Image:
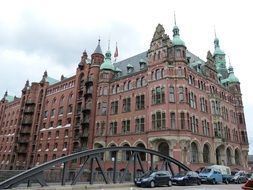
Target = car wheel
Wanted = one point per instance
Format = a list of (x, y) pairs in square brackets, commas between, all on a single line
[(152, 184), (213, 181), (169, 183)]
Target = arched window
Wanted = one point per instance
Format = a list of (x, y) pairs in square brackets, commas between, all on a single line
[(143, 82), (237, 157), (113, 153), (113, 89), (206, 154), (229, 155), (117, 88), (125, 86), (194, 153), (138, 83), (126, 154), (158, 74), (129, 85), (164, 149), (142, 154)]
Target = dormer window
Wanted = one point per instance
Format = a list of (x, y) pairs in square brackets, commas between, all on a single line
[(130, 68), (142, 64)]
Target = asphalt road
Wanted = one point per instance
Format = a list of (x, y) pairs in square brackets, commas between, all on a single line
[(201, 187)]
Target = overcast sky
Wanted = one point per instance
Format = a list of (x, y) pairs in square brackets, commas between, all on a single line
[(51, 35)]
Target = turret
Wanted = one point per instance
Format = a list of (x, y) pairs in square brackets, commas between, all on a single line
[(107, 64), (97, 57), (219, 57), (83, 60), (231, 76), (26, 86), (178, 44)]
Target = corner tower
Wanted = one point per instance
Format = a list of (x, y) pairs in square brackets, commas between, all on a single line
[(219, 57)]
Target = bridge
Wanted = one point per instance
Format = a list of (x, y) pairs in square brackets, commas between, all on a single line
[(139, 161)]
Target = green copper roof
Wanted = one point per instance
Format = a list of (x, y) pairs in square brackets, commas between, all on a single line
[(9, 98), (177, 41), (107, 64), (224, 80), (118, 70), (51, 80), (217, 50), (231, 77), (129, 65), (195, 63)]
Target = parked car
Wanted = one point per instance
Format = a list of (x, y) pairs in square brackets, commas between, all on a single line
[(153, 179), (239, 177), (186, 178), (211, 175)]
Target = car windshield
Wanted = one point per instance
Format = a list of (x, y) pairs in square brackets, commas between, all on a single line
[(181, 174), (149, 173), (205, 170)]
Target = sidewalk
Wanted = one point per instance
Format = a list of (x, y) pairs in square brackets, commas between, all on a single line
[(82, 187)]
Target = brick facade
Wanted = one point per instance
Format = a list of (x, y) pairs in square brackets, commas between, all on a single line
[(165, 99)]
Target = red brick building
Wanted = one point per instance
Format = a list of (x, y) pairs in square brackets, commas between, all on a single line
[(166, 99)]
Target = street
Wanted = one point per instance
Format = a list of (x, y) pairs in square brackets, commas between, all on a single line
[(201, 187)]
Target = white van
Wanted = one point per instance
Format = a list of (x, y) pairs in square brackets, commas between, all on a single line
[(225, 170)]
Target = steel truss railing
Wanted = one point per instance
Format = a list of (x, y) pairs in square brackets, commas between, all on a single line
[(91, 156)]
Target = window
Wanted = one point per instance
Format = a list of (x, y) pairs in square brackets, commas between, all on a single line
[(59, 122), (205, 128), (158, 74), (171, 94), (45, 114), (139, 125), (61, 100), (181, 94), (158, 95), (52, 113), (194, 153), (180, 72), (113, 128), (61, 110), (51, 124), (127, 105), (49, 135), (129, 85), (194, 124), (70, 108), (113, 89), (138, 83), (158, 120), (104, 108), (140, 102), (125, 126), (66, 133), (65, 145), (57, 133), (114, 107), (182, 118), (172, 120), (192, 100)]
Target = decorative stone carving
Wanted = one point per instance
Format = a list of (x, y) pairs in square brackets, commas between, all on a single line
[(159, 32)]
